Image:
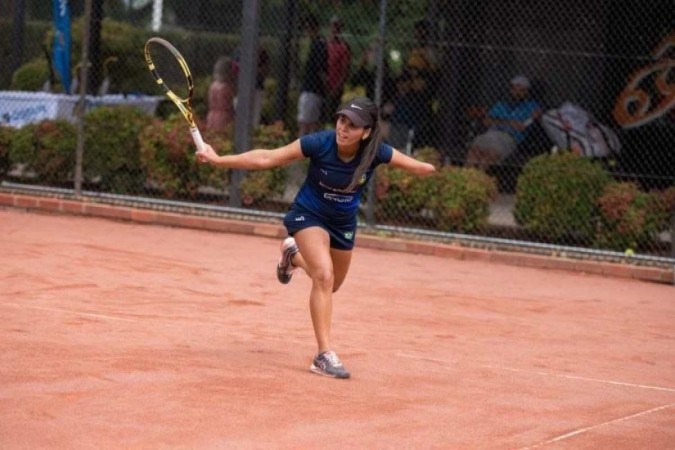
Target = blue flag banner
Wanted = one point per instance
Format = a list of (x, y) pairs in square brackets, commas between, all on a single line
[(61, 47)]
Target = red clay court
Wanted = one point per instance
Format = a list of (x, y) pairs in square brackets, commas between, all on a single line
[(123, 335)]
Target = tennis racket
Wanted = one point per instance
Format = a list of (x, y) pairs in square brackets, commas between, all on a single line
[(171, 72)]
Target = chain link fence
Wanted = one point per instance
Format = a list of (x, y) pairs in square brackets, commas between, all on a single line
[(550, 123)]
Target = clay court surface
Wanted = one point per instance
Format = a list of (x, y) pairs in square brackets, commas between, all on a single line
[(120, 335)]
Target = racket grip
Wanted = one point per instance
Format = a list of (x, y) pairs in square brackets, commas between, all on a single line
[(197, 136)]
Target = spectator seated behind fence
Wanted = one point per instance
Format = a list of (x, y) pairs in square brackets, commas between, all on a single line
[(507, 124)]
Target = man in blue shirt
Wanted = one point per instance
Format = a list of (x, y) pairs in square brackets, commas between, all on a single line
[(507, 123)]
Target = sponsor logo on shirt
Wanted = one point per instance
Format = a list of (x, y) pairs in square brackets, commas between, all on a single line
[(299, 218), (338, 198)]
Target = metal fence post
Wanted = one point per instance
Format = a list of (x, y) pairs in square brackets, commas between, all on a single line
[(370, 207), (246, 83), (81, 104), (287, 60)]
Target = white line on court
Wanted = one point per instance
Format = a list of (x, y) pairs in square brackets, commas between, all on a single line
[(548, 374), (584, 430), (577, 377), (68, 311), (125, 319)]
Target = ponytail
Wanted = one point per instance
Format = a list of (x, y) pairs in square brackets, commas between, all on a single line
[(369, 147)]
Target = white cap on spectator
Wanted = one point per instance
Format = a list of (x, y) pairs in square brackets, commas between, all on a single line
[(521, 80)]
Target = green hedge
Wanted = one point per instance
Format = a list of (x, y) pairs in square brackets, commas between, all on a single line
[(557, 197), (112, 148), (452, 199), (461, 202), (631, 219), (167, 155), (6, 137), (47, 150), (561, 198), (402, 194), (263, 185)]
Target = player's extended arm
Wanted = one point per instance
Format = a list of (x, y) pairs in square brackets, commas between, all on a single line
[(254, 159), (405, 162)]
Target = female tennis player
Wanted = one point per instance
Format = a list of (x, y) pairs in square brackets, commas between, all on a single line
[(321, 222)]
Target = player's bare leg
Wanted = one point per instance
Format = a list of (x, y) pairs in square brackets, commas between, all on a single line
[(314, 245), (317, 261), (341, 262)]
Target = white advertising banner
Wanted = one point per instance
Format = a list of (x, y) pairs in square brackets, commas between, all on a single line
[(18, 108)]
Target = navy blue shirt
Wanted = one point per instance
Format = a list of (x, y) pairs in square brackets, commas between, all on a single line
[(323, 191)]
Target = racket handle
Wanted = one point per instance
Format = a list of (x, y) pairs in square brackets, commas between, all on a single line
[(197, 136)]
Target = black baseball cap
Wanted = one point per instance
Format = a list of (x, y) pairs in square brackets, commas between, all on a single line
[(357, 112)]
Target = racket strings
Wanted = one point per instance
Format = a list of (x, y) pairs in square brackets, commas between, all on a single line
[(171, 71)]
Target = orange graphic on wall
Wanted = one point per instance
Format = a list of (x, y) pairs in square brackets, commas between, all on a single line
[(650, 93)]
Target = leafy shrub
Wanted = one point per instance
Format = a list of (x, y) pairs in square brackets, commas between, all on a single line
[(461, 201), (6, 137), (457, 199), (556, 196), (261, 185), (629, 217), (167, 155), (112, 150), (399, 191), (46, 148), (31, 76), (668, 199)]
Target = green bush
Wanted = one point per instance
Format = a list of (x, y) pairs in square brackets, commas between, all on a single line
[(629, 217), (401, 193), (6, 137), (167, 156), (455, 199), (31, 76), (461, 201), (262, 185), (47, 149), (112, 150), (557, 194)]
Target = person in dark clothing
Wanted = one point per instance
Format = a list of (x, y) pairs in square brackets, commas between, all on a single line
[(313, 91)]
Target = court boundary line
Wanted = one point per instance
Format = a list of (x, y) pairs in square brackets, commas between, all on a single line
[(579, 431), (550, 374), (126, 319), (578, 377), (69, 311)]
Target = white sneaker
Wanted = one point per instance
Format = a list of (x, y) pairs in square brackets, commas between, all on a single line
[(328, 364), (285, 267)]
